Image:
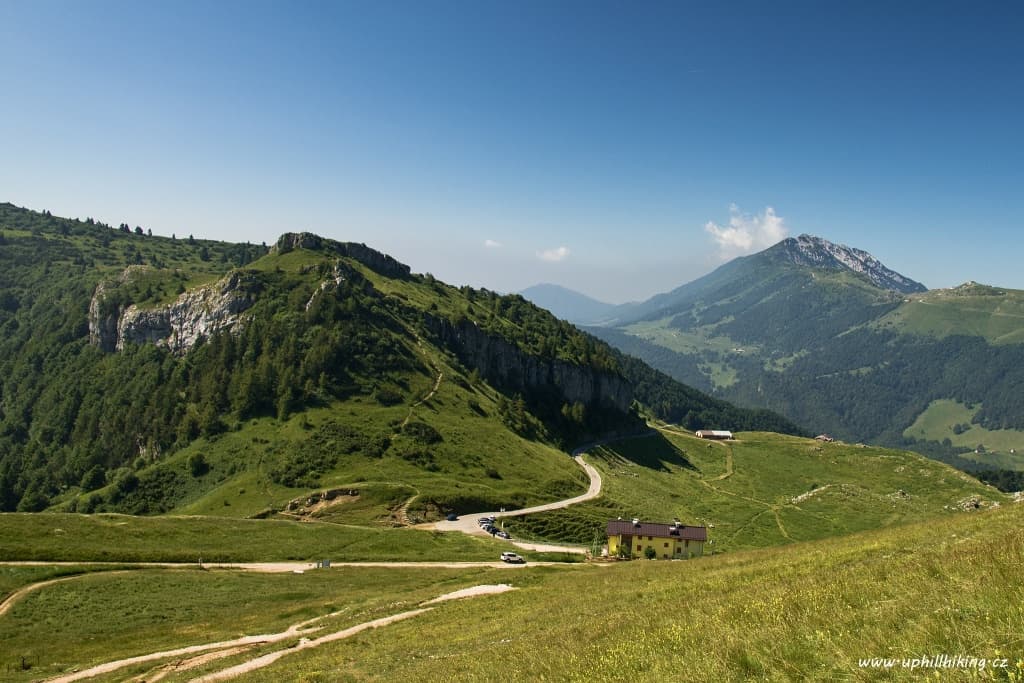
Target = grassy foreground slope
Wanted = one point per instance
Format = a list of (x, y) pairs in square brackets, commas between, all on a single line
[(105, 616), (807, 611), (761, 490)]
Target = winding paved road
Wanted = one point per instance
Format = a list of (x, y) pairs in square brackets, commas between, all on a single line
[(470, 524)]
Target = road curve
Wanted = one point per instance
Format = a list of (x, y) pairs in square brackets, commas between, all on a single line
[(470, 523)]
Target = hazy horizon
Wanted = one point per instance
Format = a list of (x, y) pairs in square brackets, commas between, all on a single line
[(618, 151)]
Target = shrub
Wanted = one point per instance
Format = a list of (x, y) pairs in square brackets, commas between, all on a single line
[(197, 464), (422, 432)]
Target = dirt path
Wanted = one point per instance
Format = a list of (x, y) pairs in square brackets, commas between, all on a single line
[(729, 471), (227, 648), (165, 670), (270, 658), (402, 513), (430, 395), (728, 465)]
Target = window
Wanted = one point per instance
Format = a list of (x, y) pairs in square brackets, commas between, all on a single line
[(666, 544), (650, 538), (639, 547)]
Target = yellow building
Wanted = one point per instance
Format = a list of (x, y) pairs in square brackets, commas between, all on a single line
[(669, 541)]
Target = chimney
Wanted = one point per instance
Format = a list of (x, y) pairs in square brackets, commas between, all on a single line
[(636, 521)]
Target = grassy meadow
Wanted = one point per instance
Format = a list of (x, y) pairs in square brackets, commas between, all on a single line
[(110, 615), (801, 612), (937, 421), (993, 313), (760, 490), (124, 538)]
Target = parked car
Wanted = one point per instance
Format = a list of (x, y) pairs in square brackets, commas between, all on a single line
[(502, 534), (512, 558), (452, 517), (493, 530)]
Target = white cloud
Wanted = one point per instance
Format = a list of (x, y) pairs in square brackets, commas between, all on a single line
[(746, 234), (554, 255), (492, 244)]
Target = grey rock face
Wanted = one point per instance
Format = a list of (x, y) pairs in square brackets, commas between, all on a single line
[(814, 251), (103, 319), (195, 314), (371, 258), (504, 364)]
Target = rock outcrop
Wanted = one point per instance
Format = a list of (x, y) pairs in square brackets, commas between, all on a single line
[(816, 252), (509, 367), (195, 314), (371, 258), (103, 317)]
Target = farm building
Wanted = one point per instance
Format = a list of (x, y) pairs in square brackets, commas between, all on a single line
[(669, 541), (714, 434), (824, 437)]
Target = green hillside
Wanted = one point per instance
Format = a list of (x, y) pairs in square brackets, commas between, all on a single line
[(761, 489), (952, 423), (146, 375)]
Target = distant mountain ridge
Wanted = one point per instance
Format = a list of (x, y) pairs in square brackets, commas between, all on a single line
[(568, 304)]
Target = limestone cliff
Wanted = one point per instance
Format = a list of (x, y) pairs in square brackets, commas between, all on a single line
[(505, 365), (178, 326), (103, 317)]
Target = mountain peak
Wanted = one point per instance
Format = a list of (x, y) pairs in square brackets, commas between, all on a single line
[(817, 252)]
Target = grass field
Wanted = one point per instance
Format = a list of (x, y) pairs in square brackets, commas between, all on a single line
[(995, 314), (105, 616), (805, 611), (937, 421), (802, 612), (744, 490), (14, 577), (123, 538)]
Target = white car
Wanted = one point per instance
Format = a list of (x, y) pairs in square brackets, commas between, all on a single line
[(513, 558)]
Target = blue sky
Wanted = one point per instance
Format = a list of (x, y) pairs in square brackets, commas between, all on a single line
[(597, 145)]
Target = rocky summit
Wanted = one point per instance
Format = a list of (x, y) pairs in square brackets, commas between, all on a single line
[(812, 251)]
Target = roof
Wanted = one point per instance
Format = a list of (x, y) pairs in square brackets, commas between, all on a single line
[(624, 527), (713, 432)]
